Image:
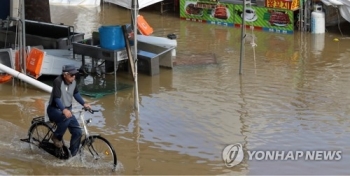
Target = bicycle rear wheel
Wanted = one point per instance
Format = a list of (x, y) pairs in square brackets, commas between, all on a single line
[(39, 137), (39, 132), (98, 152)]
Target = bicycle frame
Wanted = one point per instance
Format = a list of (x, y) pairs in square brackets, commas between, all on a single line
[(54, 125), (81, 116)]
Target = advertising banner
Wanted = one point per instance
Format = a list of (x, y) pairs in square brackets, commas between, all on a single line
[(207, 11), (267, 19)]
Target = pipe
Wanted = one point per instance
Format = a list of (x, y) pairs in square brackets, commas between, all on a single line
[(23, 20), (26, 78)]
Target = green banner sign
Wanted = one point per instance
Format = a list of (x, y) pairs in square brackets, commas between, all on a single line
[(268, 19), (205, 11)]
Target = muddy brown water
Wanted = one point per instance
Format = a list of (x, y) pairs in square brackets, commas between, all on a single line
[(293, 95)]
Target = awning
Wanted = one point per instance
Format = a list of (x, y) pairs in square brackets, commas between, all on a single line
[(128, 3)]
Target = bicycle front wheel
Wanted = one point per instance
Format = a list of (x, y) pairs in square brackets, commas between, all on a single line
[(98, 152)]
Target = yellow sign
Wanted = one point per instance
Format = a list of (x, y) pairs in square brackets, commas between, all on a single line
[(283, 4)]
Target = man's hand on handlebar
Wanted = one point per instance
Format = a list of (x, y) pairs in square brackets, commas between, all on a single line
[(87, 106)]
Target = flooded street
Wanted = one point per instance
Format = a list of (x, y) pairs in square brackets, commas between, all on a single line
[(293, 95)]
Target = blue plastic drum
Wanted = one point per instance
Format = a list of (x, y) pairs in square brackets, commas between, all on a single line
[(112, 37)]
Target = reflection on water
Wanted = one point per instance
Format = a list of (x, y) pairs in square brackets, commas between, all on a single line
[(292, 96)]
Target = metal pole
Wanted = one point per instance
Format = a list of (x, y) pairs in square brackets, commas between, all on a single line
[(301, 16), (305, 16), (308, 15), (242, 38), (24, 36), (136, 89)]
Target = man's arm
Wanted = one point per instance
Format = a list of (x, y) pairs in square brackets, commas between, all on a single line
[(78, 98), (59, 103), (56, 93)]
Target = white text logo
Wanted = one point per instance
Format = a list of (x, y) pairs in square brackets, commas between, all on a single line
[(295, 155), (233, 155)]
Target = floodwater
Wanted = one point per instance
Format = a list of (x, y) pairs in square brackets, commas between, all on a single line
[(293, 95)]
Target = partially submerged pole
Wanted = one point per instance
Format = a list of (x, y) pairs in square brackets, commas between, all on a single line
[(135, 8), (242, 38)]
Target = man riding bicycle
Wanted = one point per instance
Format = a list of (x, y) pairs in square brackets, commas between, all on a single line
[(60, 106)]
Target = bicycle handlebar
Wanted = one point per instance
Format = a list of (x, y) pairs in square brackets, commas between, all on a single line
[(90, 110)]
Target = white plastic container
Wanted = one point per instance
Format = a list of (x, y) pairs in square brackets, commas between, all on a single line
[(318, 21)]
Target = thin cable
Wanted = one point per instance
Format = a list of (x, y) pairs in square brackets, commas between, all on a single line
[(7, 29), (337, 10), (253, 46), (16, 35), (253, 36), (252, 43)]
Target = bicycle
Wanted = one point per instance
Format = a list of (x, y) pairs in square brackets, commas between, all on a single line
[(41, 130)]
